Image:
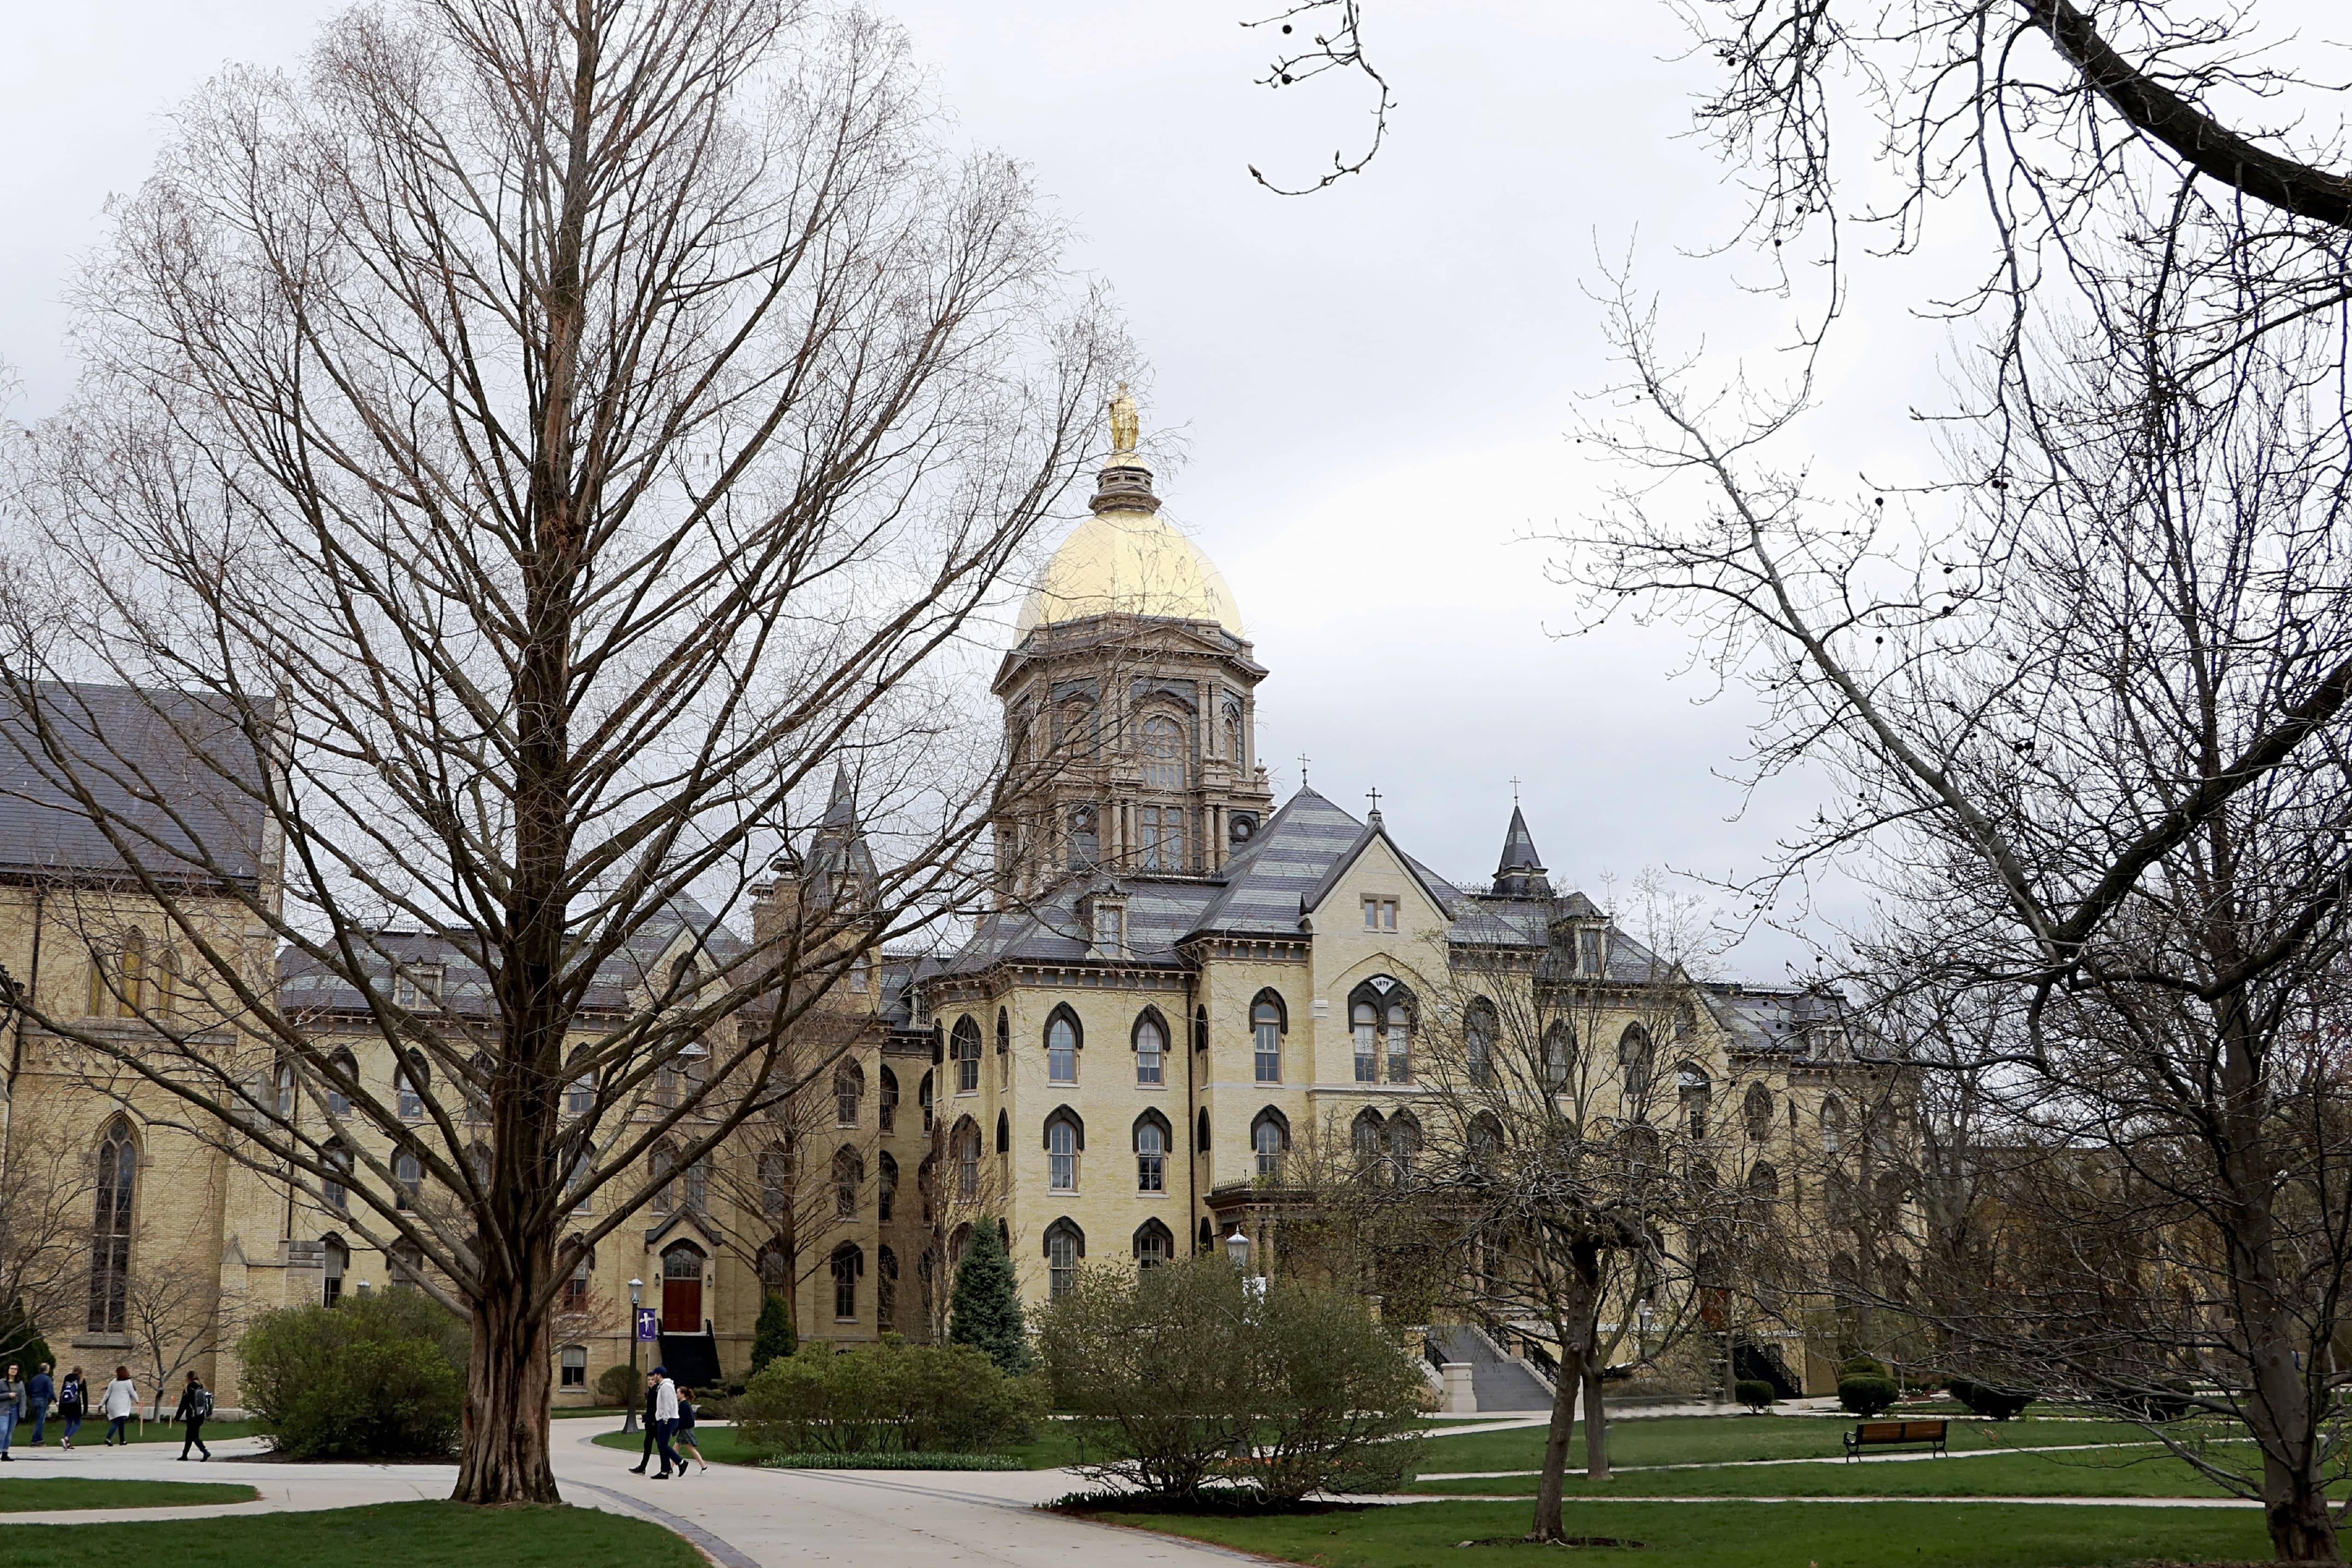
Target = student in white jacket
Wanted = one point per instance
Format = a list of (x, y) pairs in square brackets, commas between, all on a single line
[(665, 1422), (121, 1403)]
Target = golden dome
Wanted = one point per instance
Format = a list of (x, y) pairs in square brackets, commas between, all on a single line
[(1127, 560)]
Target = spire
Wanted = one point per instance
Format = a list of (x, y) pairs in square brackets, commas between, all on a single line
[(841, 809), (1521, 872), (839, 862), (1125, 482)]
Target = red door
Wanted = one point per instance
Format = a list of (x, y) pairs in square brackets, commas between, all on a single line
[(682, 1290)]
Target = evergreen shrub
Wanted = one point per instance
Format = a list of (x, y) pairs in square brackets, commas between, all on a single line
[(985, 1311), (1754, 1393), (623, 1386), (1981, 1399), (377, 1377), (1866, 1396), (773, 1335), (893, 1398)]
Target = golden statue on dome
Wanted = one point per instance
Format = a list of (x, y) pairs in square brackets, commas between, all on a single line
[(1123, 424)]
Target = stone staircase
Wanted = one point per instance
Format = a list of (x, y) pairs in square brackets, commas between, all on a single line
[(1499, 1382)]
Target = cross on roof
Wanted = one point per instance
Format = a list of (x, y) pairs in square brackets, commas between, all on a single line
[(1302, 770), (1515, 789), (1375, 794)]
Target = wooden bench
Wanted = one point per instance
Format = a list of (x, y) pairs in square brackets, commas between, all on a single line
[(1891, 1433)]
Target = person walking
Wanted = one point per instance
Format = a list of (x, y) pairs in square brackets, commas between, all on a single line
[(12, 1408), (39, 1394), (653, 1393), (684, 1441), (196, 1409), (73, 1403), (121, 1403), (665, 1422)]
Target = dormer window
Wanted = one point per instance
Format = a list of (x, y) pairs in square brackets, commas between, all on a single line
[(1111, 926), (1590, 950), (1379, 914), (419, 986)]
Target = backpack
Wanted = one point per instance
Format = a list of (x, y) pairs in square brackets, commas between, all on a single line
[(201, 1407)]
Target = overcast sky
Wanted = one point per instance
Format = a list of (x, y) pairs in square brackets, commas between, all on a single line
[(1372, 387)]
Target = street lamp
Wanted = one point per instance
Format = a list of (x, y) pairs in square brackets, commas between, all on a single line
[(636, 1294), (1237, 1249)]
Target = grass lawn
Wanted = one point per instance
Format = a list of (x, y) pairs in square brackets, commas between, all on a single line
[(389, 1535), (1715, 1439), (1054, 1446), (1744, 1535), (2117, 1472), (93, 1432), (49, 1493)]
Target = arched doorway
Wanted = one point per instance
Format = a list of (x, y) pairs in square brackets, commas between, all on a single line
[(682, 1288)]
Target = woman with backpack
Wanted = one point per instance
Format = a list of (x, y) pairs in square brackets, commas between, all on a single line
[(73, 1403), (196, 1409), (120, 1405)]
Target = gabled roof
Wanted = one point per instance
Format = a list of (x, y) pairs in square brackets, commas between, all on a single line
[(1049, 931), (175, 766), (1274, 880)]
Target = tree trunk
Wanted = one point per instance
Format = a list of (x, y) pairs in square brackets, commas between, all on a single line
[(1547, 1526), (504, 1458), (1596, 1425)]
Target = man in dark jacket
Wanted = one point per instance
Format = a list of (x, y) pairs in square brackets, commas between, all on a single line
[(39, 1394), (196, 1409), (653, 1392)]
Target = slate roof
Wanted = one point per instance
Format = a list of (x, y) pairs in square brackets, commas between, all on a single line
[(171, 765), (1519, 873), (304, 984), (1794, 1020), (1159, 915)]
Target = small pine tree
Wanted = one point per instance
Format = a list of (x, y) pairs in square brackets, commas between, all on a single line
[(987, 1304), (21, 1341), (772, 1336)]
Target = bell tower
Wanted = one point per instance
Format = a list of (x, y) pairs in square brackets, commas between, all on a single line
[(1129, 700)]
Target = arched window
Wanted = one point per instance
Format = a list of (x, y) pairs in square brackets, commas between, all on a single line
[(848, 1089), (889, 1108), (407, 1180), (1063, 1040), (1756, 1110), (887, 1194), (282, 1082), (1559, 1054), (480, 1072), (1478, 1032), (661, 1169), (1150, 1046), (576, 1284), (109, 1253), (1404, 1146), (1833, 1124), (849, 1175), (346, 1068), (965, 1142), (1486, 1142), (1763, 1182), (886, 1290), (1270, 1138), (774, 1268), (1692, 1088), (1205, 1240), (1366, 1137), (1633, 1067), (337, 1257), (1065, 1139), (1003, 1133), (1201, 1132), (575, 1183), (1200, 1028), (408, 1087), (775, 1180), (848, 1264), (407, 1264), (963, 1045), (923, 1098), (1400, 1040), (1163, 754), (1267, 1020), (1003, 1047), (580, 1097), (478, 1164), (1155, 1244), (1065, 1245), (1152, 1152), (1365, 1019), (337, 1185)]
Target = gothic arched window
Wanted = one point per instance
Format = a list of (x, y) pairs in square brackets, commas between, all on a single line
[(1266, 1015), (1756, 1110), (966, 1144), (1152, 1152), (1163, 754), (848, 1174), (1633, 1067), (1151, 1040), (1478, 1031), (1270, 1140), (1692, 1088), (109, 1252), (1063, 1040), (1559, 1054), (1155, 1244), (848, 1089), (963, 1045), (1065, 1245)]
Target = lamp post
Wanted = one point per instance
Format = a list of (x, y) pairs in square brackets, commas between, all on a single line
[(636, 1295)]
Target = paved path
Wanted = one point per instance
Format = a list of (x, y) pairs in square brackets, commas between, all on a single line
[(1807, 1459)]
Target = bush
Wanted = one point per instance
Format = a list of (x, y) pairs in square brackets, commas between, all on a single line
[(1981, 1400), (379, 1377), (1754, 1392), (772, 1336), (2166, 1401), (894, 1398), (1861, 1366), (623, 1386), (1866, 1396), (1173, 1372), (985, 1311)]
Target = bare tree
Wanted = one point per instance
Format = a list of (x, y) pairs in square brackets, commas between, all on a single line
[(173, 1320), (44, 1206), (526, 454), (2089, 739)]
